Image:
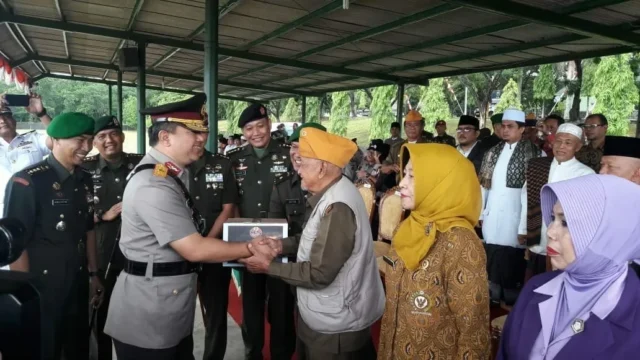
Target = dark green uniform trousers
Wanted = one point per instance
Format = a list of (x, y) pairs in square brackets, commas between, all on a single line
[(255, 288), (104, 340), (214, 294)]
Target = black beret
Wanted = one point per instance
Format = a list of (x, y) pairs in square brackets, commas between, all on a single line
[(252, 113), (621, 146), (106, 123), (395, 124), (469, 120)]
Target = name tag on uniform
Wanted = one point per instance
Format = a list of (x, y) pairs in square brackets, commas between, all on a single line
[(240, 173), (25, 143), (292, 201), (60, 202), (214, 178), (278, 169)]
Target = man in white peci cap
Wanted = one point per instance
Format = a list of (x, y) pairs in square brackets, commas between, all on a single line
[(540, 171), (502, 176)]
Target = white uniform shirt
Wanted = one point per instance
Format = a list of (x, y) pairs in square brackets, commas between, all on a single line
[(559, 172), (24, 150)]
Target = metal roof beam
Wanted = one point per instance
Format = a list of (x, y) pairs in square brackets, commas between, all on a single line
[(511, 24), (390, 26), (533, 62), (550, 18), (137, 7), (112, 67), (137, 37), (224, 10)]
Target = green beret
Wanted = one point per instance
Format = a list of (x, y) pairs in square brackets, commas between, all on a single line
[(296, 134), (496, 119), (68, 125), (106, 123)]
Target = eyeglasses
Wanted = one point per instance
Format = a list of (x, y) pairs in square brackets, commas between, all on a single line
[(465, 130), (592, 126)]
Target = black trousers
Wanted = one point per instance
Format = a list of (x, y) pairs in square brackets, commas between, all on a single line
[(104, 340), (367, 352), (255, 288), (182, 351), (506, 268), (214, 294)]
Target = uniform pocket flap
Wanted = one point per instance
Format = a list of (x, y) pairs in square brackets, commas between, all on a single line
[(329, 301)]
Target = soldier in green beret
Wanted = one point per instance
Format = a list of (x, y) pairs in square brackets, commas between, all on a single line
[(109, 170), (54, 200)]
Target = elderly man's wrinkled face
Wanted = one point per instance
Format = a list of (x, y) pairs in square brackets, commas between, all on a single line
[(407, 188), (565, 147), (511, 131), (7, 125), (413, 129), (311, 172), (621, 166), (560, 246), (294, 153), (73, 150), (109, 142), (258, 133)]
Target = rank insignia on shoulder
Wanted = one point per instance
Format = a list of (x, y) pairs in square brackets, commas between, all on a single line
[(21, 181), (328, 210), (91, 158), (285, 145), (160, 170), (37, 169)]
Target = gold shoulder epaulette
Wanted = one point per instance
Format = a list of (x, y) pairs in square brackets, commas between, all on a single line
[(91, 158), (139, 156), (37, 169), (222, 155), (234, 150), (160, 170)]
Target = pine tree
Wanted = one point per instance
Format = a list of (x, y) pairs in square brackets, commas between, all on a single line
[(509, 98), (235, 109), (615, 91), (313, 109), (340, 109), (544, 86), (381, 112), (292, 111), (433, 103)]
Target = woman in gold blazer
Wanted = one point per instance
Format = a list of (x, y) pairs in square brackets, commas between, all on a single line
[(437, 303)]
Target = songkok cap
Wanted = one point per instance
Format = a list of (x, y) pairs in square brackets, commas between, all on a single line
[(513, 115), (469, 120), (441, 122), (295, 136), (376, 144), (107, 123), (190, 113), (253, 112), (496, 118), (530, 120), (69, 125), (571, 129), (621, 146), (321, 145), (395, 124), (413, 115)]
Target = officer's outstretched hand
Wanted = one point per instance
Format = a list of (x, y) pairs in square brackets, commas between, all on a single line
[(263, 254), (113, 213)]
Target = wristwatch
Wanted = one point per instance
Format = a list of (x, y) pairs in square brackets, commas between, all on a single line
[(42, 113)]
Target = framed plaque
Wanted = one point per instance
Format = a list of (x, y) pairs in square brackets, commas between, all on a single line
[(243, 230)]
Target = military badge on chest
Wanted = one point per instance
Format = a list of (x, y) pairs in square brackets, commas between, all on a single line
[(214, 180), (240, 173)]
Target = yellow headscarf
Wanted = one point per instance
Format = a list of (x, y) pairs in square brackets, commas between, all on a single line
[(447, 194)]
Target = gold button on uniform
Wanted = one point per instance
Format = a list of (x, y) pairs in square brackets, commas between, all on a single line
[(195, 178), (45, 272), (197, 197)]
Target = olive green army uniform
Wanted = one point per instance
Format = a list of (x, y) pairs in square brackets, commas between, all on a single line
[(56, 207), (212, 185), (255, 177), (109, 180)]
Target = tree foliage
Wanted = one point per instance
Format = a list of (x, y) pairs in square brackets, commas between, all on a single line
[(433, 103), (292, 111), (233, 115), (313, 109), (544, 86), (381, 112), (509, 97), (616, 92), (340, 109)]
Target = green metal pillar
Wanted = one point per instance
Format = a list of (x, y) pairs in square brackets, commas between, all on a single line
[(119, 97), (304, 109), (211, 70), (110, 100), (142, 96), (400, 103)]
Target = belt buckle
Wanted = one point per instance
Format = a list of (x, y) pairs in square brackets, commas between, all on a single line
[(198, 267)]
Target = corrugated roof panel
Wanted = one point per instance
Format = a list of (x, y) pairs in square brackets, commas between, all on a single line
[(39, 8), (630, 8), (606, 17), (553, 5), (531, 32)]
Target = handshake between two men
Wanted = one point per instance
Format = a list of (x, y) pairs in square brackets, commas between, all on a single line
[(263, 249)]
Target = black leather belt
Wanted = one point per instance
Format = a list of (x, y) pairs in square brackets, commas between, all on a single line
[(160, 269)]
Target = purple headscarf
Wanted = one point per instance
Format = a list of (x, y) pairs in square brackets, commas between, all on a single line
[(602, 216)]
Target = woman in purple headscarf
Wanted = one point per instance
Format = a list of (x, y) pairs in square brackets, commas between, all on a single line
[(591, 309)]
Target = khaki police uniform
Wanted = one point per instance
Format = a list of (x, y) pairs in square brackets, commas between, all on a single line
[(212, 185)]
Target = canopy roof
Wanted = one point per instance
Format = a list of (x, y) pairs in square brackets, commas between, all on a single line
[(277, 48)]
